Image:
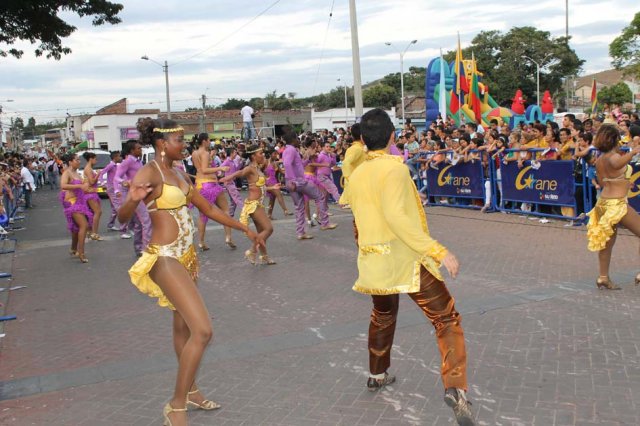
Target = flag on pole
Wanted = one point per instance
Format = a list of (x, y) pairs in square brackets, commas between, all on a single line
[(442, 98), (461, 81), (474, 93), (594, 98)]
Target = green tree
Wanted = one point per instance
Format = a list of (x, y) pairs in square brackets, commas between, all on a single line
[(500, 58), (414, 81), (619, 94), (30, 128), (38, 21), (380, 96), (233, 103), (625, 49)]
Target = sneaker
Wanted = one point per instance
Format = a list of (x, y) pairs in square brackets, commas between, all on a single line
[(457, 400), (377, 384), (111, 228), (125, 236)]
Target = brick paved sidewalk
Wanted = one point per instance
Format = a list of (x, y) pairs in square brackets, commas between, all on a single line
[(545, 347)]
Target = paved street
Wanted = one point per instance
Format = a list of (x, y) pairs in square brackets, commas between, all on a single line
[(545, 347)]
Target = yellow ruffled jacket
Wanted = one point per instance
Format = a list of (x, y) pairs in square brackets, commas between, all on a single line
[(393, 236)]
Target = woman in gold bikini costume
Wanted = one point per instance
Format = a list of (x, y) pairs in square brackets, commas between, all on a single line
[(208, 186), (612, 207), (168, 268), (253, 205)]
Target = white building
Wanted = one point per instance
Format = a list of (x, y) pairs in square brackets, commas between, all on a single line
[(108, 128), (109, 131), (339, 117)]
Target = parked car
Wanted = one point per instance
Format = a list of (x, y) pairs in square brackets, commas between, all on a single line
[(103, 158)]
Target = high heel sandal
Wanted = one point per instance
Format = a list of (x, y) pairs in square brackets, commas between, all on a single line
[(82, 258), (203, 247), (95, 237), (266, 260), (606, 283), (168, 409), (206, 405), (231, 244), (250, 256), (72, 252), (288, 213)]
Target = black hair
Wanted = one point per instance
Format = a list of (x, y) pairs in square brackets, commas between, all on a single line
[(376, 129), (289, 137), (474, 126), (88, 155), (114, 154), (577, 125), (67, 158), (146, 126), (634, 130), (251, 149), (356, 132), (566, 131), (128, 147), (570, 116), (198, 139)]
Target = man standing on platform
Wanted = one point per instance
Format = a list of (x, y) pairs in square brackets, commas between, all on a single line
[(298, 187), (397, 255)]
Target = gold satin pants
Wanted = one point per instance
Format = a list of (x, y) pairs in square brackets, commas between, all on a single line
[(438, 306)]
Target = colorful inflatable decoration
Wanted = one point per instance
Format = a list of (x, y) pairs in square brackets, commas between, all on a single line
[(468, 99)]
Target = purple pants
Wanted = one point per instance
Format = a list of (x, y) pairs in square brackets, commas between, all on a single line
[(326, 182), (140, 224), (304, 187), (235, 200), (115, 205)]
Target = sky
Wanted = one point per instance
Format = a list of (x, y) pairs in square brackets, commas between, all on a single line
[(243, 49)]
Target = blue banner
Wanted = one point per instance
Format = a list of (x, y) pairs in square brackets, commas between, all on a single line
[(464, 180), (552, 183), (634, 188)]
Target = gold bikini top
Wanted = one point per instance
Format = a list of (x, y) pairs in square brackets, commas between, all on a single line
[(171, 197), (628, 171)]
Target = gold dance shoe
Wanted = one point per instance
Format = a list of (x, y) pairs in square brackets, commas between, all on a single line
[(206, 405), (607, 284), (168, 409)]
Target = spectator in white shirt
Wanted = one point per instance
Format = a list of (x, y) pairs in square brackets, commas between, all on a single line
[(247, 122), (28, 183)]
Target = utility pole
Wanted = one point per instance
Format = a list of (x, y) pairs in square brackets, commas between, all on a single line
[(203, 123), (355, 53)]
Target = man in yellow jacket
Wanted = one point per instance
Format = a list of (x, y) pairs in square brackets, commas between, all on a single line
[(397, 255)]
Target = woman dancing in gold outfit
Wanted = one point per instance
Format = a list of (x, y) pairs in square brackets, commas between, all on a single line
[(612, 208), (168, 268), (253, 205)]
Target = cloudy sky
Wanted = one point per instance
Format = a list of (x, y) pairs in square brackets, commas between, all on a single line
[(217, 48)]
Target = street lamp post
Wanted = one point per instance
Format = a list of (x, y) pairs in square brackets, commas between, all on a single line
[(402, 73), (165, 68), (346, 108), (538, 64)]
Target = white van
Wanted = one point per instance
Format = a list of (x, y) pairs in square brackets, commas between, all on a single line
[(148, 154)]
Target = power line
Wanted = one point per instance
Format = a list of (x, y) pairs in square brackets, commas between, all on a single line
[(92, 107), (246, 24), (324, 42)]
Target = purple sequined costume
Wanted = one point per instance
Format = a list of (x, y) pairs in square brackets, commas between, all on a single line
[(210, 191), (270, 173), (93, 195), (79, 206)]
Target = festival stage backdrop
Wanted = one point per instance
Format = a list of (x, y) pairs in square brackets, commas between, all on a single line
[(552, 183), (464, 180)]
